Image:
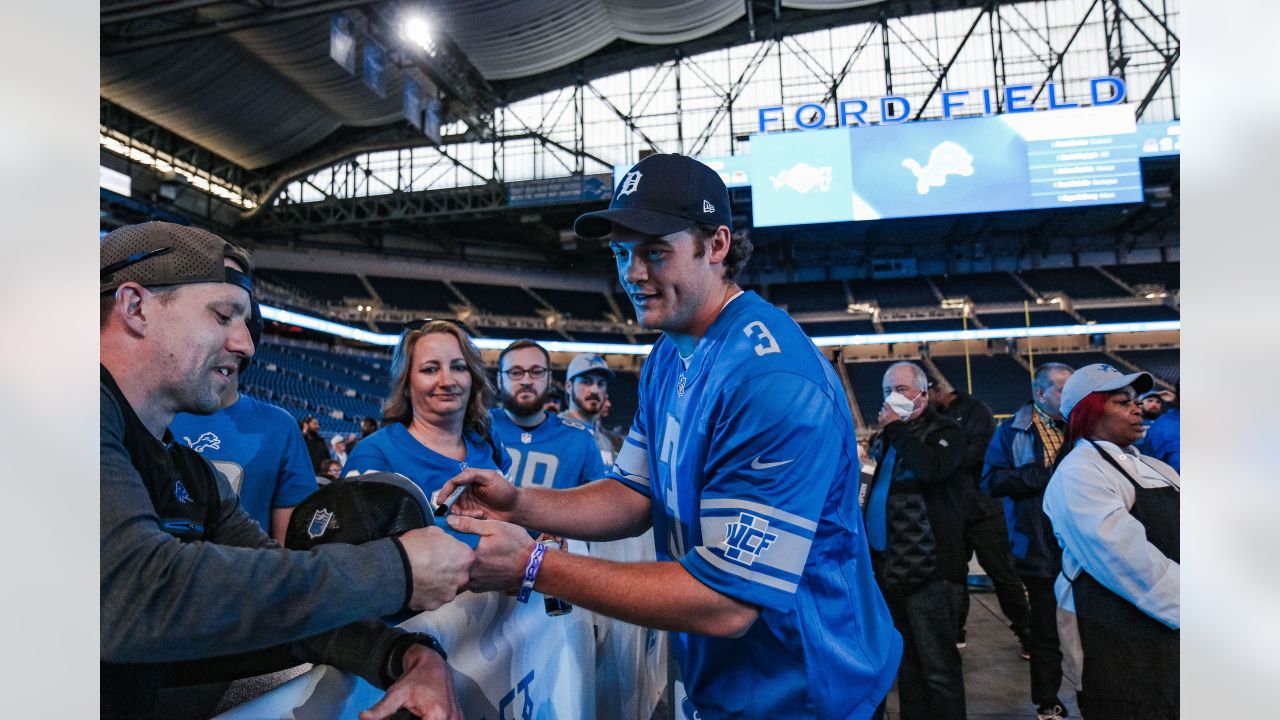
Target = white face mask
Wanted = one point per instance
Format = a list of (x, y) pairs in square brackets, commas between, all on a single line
[(900, 404)]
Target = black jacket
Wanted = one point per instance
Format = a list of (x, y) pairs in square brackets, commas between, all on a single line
[(925, 524), (975, 419), (317, 448), (255, 620)]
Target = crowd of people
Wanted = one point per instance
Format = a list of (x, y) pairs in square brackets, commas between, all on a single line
[(733, 524)]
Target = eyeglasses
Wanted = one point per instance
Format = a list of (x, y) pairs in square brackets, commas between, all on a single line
[(517, 374), (115, 267)]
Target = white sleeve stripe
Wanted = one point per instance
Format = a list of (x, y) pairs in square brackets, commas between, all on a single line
[(724, 565), (633, 435), (637, 479), (633, 463), (760, 509), (787, 552)]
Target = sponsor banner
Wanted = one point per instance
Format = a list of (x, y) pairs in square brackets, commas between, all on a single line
[(556, 191)]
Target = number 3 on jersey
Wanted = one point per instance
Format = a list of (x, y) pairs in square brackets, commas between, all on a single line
[(767, 344)]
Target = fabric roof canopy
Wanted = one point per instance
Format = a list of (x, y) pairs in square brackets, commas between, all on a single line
[(261, 95)]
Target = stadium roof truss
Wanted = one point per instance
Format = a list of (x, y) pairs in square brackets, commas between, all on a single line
[(699, 97)]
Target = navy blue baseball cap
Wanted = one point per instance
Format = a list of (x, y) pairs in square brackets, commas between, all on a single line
[(660, 195)]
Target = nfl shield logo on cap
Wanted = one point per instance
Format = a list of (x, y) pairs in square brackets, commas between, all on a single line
[(319, 523)]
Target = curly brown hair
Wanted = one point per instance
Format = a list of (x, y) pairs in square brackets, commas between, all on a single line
[(740, 248), (397, 408)]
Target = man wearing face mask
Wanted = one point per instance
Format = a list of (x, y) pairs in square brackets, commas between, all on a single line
[(915, 526)]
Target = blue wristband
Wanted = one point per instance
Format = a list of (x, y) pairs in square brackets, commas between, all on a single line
[(531, 572)]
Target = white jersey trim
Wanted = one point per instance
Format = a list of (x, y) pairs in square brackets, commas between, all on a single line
[(759, 578), (787, 551), (758, 508)]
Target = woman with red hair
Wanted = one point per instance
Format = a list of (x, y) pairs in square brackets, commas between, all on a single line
[(1115, 514)]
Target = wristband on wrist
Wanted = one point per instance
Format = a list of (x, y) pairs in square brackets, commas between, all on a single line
[(394, 667), (531, 572)]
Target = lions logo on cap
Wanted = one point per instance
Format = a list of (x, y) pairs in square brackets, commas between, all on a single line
[(630, 183)]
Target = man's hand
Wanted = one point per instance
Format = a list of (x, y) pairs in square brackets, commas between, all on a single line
[(441, 566), (425, 689), (501, 556), (489, 495)]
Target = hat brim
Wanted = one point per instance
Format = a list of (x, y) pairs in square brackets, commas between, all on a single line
[(603, 371), (598, 224), (409, 486), (1141, 382)]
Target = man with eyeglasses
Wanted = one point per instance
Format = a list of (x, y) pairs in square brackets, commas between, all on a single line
[(546, 450), (192, 589)]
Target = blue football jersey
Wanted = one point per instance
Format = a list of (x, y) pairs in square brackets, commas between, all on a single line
[(393, 449), (260, 449), (750, 461), (558, 453)]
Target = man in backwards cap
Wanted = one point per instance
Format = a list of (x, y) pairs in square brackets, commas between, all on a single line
[(741, 458), (186, 574)]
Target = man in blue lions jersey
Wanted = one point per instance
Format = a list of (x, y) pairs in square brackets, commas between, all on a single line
[(741, 458), (256, 445), (546, 450)]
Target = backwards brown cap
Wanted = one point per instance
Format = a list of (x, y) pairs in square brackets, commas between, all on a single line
[(157, 253)]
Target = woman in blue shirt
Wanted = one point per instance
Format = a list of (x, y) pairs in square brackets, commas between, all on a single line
[(435, 419)]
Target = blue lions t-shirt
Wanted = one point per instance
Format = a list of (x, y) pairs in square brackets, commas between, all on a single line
[(258, 447), (558, 453), (749, 458), (393, 449)]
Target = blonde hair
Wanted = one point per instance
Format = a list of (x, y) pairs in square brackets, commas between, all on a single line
[(397, 408)]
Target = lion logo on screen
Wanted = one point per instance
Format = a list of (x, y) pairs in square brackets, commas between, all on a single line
[(948, 158), (803, 177)]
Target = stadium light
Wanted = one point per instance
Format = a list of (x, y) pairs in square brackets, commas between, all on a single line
[(417, 30)]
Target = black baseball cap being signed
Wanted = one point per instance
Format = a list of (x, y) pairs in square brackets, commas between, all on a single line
[(660, 195)]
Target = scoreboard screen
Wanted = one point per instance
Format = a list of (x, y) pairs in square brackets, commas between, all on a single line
[(1012, 161), (1061, 158)]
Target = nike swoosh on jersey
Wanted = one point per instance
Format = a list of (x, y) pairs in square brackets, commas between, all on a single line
[(757, 465)]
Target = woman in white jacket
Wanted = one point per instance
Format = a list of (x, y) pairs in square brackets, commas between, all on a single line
[(1115, 514)]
